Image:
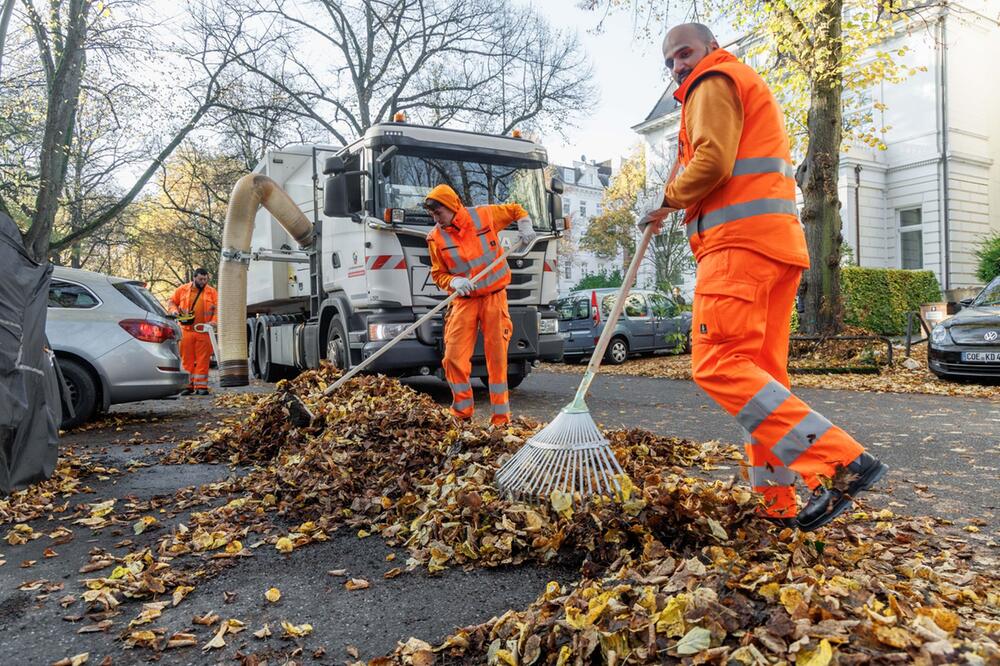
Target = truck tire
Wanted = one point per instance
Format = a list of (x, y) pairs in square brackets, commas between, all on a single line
[(82, 391), (617, 352), (338, 351), (269, 372)]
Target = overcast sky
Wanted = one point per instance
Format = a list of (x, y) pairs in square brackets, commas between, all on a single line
[(629, 73)]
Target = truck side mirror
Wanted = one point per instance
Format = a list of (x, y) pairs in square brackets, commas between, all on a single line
[(342, 194), (556, 185), (556, 212)]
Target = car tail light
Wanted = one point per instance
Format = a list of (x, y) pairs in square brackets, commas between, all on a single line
[(594, 309), (147, 331)]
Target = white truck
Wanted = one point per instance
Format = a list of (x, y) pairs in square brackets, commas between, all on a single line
[(366, 273)]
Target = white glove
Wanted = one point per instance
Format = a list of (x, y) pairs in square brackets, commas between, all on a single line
[(526, 231), (463, 285), (655, 217)]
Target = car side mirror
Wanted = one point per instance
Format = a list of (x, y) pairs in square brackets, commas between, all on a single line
[(556, 186), (334, 166), (966, 302), (556, 213)]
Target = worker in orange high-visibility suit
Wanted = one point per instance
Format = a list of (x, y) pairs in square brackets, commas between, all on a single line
[(738, 191), (462, 243), (195, 303)]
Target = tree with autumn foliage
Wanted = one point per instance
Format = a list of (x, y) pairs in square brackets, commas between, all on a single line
[(613, 231), (818, 57)]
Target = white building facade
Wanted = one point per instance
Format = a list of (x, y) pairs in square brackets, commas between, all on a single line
[(584, 183), (929, 199)]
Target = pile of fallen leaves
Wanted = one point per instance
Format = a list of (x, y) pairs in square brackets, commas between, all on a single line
[(51, 495), (676, 567)]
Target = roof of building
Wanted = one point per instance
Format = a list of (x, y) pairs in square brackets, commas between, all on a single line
[(604, 171)]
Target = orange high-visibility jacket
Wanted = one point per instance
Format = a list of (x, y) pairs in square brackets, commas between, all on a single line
[(755, 207), (470, 243), (204, 310)]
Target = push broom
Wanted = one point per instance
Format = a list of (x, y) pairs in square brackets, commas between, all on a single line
[(571, 455)]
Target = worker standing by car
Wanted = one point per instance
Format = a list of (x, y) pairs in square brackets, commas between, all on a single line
[(462, 243), (738, 192), (195, 303)]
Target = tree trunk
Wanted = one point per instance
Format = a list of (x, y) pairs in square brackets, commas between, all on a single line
[(818, 179), (63, 100)]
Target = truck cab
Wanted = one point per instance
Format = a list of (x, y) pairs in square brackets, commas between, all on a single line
[(367, 274)]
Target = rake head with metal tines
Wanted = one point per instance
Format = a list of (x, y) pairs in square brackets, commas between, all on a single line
[(569, 455)]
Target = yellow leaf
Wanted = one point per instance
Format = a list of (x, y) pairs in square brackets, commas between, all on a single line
[(273, 595), (357, 584), (896, 637), (263, 633), (791, 599), (565, 654), (670, 621), (562, 503), (180, 592), (821, 656), (296, 631), (234, 547), (284, 545)]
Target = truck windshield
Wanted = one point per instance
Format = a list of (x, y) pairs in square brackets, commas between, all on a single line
[(411, 177)]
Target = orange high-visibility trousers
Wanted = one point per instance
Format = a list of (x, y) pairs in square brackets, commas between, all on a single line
[(739, 356), (196, 354), (466, 316)]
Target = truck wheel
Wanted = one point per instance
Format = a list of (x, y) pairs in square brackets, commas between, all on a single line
[(617, 352), (337, 349), (268, 371), (82, 391)]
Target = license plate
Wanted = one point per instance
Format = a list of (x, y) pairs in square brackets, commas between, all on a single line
[(423, 285), (981, 357), (566, 336)]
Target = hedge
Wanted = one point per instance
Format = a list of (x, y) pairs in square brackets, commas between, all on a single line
[(879, 298), (989, 259)]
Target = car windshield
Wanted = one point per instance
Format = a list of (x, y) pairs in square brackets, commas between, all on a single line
[(573, 308), (990, 295), (408, 178)]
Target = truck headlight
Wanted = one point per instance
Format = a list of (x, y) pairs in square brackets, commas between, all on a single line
[(548, 326), (939, 335), (378, 332)]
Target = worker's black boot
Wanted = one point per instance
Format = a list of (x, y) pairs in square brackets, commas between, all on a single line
[(828, 503), (781, 521), (201, 392), (186, 391)]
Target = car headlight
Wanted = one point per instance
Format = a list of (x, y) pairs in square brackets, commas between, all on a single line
[(939, 334), (548, 326), (378, 332)]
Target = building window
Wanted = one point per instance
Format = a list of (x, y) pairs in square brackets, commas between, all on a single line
[(600, 208), (583, 208), (911, 239), (567, 203), (569, 271)]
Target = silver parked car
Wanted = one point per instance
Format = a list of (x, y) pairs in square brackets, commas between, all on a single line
[(114, 341)]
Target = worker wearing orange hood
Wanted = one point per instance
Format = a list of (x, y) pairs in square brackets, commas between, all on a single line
[(462, 243)]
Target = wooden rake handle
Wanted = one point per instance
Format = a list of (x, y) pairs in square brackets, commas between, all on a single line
[(616, 311)]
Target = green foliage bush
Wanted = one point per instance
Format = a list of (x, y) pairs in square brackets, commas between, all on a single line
[(601, 279), (879, 298), (989, 259)]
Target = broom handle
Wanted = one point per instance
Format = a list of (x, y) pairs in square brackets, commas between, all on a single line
[(409, 329), (616, 311)]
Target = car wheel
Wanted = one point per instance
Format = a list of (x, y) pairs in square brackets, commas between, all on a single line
[(617, 352), (513, 381), (82, 391), (570, 360), (687, 343), (337, 349)]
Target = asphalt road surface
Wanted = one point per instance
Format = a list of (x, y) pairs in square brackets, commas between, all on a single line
[(942, 452)]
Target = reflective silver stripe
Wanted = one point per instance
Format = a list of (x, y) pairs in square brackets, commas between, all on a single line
[(762, 405), (498, 388), (451, 250), (462, 404), (801, 437), (753, 165), (741, 211), (460, 388), (495, 278), (772, 476), (474, 214), (501, 409)]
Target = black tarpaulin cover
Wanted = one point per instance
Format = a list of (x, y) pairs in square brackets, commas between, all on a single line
[(30, 409)]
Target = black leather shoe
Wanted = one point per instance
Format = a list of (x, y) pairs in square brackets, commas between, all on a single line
[(186, 392), (201, 392), (828, 503)]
